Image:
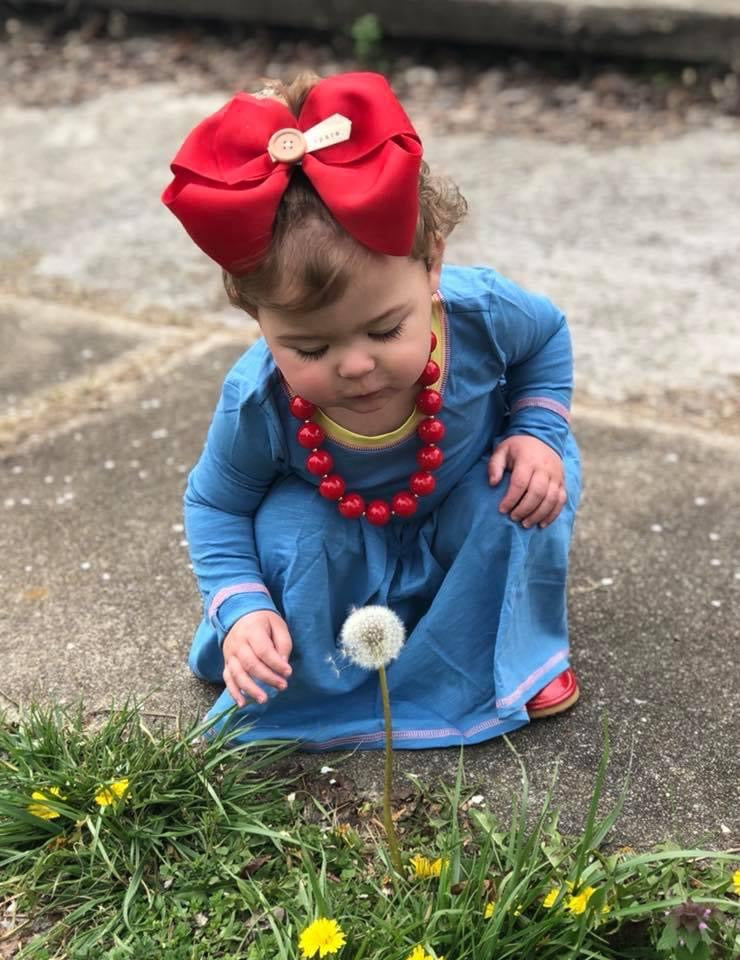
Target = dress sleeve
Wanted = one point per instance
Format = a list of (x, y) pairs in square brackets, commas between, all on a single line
[(533, 342), (224, 490)]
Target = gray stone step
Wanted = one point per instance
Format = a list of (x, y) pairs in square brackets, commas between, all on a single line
[(681, 30)]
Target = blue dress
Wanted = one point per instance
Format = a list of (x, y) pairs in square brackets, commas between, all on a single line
[(482, 598)]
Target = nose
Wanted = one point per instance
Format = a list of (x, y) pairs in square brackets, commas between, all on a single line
[(355, 363)]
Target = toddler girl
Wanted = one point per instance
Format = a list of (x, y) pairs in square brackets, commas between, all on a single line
[(397, 436)]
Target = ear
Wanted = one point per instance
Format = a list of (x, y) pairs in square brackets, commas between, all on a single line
[(434, 264)]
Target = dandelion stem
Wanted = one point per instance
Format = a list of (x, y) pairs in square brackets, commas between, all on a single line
[(390, 830)]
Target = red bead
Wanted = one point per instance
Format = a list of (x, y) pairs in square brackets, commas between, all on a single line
[(301, 408), (351, 506), (430, 373), (421, 483), (433, 345), (310, 435), (332, 487), (404, 503), (319, 462), (429, 401), (431, 430), (378, 513), (429, 458)]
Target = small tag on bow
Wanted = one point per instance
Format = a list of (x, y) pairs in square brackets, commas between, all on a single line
[(335, 129)]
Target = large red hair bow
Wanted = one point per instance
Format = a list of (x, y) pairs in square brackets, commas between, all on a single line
[(227, 186)]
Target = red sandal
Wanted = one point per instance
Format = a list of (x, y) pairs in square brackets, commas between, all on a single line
[(559, 695)]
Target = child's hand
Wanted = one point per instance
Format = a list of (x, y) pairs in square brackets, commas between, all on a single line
[(258, 645), (536, 491)]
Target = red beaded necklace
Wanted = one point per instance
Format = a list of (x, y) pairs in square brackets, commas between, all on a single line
[(403, 504)]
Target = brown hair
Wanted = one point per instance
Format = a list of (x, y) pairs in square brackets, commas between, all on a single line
[(308, 245)]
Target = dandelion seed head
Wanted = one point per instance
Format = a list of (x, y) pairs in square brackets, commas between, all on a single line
[(372, 636)]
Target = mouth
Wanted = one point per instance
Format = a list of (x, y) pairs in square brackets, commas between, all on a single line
[(366, 396)]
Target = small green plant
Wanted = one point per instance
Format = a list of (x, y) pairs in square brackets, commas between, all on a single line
[(367, 36), (689, 931)]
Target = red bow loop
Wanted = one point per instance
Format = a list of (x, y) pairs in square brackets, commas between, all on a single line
[(370, 197), (368, 101)]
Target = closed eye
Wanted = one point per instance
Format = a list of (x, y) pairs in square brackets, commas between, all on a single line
[(389, 334), (311, 354), (384, 336)]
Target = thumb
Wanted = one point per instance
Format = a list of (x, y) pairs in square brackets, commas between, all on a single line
[(281, 636), (498, 462)]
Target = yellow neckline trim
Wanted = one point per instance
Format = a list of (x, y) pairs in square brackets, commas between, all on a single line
[(349, 438)]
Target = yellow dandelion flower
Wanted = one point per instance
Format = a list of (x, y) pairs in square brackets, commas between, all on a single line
[(735, 884), (419, 953), (551, 897), (424, 867), (488, 909), (42, 810), (577, 903), (114, 791), (322, 936)]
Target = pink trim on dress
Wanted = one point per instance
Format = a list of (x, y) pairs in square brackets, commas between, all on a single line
[(546, 403), (532, 679), (405, 734), (225, 592)]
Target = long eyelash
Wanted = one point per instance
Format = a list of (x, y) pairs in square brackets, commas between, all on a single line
[(318, 354), (311, 355), (389, 334)]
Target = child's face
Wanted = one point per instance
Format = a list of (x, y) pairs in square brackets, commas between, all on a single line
[(361, 352)]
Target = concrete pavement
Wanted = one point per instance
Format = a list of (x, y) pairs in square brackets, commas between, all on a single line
[(115, 336)]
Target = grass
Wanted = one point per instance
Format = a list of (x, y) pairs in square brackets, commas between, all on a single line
[(212, 852)]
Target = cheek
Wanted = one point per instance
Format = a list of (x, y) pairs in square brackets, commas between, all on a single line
[(410, 361), (307, 378)]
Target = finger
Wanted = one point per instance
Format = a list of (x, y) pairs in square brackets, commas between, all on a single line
[(544, 509), (530, 502), (252, 662), (244, 682), (497, 464), (260, 671), (557, 509), (537, 484), (233, 689), (516, 489), (283, 643), (264, 657)]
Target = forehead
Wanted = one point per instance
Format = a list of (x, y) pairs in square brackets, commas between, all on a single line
[(376, 287)]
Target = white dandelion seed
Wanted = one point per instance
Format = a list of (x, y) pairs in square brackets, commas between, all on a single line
[(372, 636), (331, 662)]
